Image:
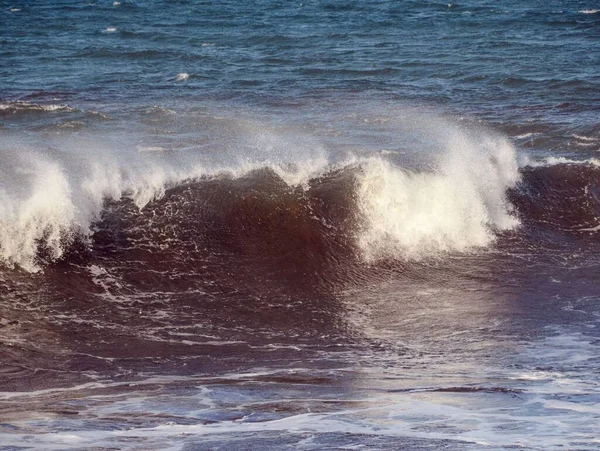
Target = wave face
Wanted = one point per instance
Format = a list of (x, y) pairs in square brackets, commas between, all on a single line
[(562, 196)]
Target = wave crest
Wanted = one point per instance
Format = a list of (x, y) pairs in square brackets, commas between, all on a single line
[(457, 206)]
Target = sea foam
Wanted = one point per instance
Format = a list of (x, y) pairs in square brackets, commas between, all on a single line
[(456, 206)]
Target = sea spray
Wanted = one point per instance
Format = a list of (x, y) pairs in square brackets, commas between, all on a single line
[(456, 206)]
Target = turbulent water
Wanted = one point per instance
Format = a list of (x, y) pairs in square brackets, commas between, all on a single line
[(299, 225)]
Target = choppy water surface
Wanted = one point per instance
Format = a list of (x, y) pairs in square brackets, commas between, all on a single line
[(299, 225)]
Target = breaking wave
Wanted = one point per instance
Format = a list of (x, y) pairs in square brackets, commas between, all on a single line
[(57, 205), (381, 209), (458, 205)]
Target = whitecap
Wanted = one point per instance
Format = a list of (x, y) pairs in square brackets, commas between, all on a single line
[(26, 106), (526, 135), (585, 138), (455, 207), (553, 161)]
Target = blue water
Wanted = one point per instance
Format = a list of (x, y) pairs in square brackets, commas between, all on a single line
[(495, 59), (299, 224)]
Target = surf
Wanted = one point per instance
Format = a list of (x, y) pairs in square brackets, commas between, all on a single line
[(450, 197)]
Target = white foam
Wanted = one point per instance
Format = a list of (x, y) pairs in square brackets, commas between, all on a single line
[(150, 149), (585, 138), (539, 414), (590, 229), (182, 76), (454, 207), (110, 30), (589, 11), (405, 415), (27, 106), (553, 161)]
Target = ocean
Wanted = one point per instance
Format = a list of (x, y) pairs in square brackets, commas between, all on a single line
[(301, 225)]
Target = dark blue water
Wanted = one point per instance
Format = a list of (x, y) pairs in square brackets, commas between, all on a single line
[(299, 225), (496, 59)]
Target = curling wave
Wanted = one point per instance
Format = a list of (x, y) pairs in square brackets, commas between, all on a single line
[(287, 204), (371, 207)]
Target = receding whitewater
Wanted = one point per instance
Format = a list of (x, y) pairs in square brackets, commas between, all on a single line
[(316, 225)]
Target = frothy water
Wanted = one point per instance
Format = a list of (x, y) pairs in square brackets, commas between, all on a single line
[(461, 204), (299, 226)]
